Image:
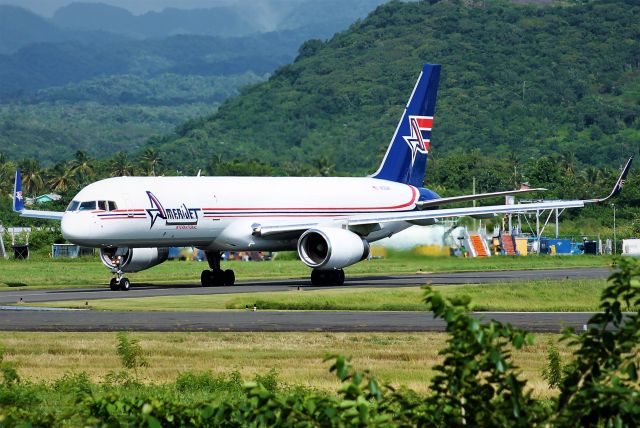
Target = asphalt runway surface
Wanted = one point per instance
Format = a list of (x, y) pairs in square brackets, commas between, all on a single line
[(23, 318)]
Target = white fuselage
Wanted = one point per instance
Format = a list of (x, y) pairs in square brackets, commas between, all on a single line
[(221, 213)]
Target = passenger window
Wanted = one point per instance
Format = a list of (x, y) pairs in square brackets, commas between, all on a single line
[(88, 206), (112, 206), (73, 206), (102, 205)]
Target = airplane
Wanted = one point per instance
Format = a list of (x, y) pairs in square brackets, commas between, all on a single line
[(329, 221)]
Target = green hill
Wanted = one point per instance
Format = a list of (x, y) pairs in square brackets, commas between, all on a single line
[(519, 81)]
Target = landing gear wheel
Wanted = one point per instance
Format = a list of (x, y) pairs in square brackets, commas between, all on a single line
[(327, 277), (125, 284), (217, 278), (228, 277), (317, 277), (113, 285), (206, 278)]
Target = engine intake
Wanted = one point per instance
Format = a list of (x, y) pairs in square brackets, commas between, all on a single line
[(331, 248), (132, 259)]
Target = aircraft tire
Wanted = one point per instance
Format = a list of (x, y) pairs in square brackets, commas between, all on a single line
[(217, 278), (327, 277), (125, 284), (317, 277), (206, 278), (113, 284), (229, 278)]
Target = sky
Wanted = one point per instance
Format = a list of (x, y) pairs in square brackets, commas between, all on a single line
[(48, 7)]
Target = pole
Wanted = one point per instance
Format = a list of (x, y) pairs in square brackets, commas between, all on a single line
[(538, 229), (556, 223), (474, 202), (614, 229)]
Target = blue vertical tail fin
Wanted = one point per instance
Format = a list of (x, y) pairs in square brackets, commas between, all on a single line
[(406, 157), (18, 199)]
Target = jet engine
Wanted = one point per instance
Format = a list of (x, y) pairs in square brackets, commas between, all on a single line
[(331, 248), (132, 259)]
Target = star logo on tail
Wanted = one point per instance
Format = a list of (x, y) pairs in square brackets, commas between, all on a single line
[(420, 137)]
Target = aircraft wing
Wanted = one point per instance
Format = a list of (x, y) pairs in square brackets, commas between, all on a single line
[(291, 230), (367, 219), (281, 231), (464, 198), (357, 220)]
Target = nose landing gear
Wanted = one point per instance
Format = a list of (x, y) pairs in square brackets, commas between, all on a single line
[(120, 282), (216, 277)]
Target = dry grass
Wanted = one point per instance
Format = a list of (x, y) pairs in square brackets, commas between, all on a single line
[(395, 358)]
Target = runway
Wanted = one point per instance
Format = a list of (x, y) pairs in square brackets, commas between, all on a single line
[(450, 278), (51, 320), (268, 321)]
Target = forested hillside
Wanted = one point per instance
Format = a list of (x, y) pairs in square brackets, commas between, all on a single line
[(99, 79), (519, 81), (547, 94)]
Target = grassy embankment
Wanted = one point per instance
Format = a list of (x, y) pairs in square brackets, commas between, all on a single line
[(395, 358), (42, 272), (544, 295)]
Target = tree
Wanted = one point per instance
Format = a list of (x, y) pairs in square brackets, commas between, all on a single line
[(601, 386), (32, 181), (61, 178), (120, 166), (82, 167), (7, 169), (324, 167), (152, 161)]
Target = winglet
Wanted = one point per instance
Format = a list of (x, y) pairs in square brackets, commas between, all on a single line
[(18, 198), (619, 183)]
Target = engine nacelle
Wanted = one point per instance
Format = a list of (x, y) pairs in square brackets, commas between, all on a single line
[(132, 259), (331, 248)]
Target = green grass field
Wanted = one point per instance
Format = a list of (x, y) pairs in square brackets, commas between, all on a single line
[(42, 272), (544, 295), (394, 358)]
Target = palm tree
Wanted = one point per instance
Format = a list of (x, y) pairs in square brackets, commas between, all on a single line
[(32, 181), (324, 167), (568, 160), (514, 163), (7, 169), (592, 174), (62, 178), (151, 160), (81, 166), (120, 165)]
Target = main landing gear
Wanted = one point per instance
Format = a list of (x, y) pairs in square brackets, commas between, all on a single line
[(120, 282), (216, 277), (327, 277)]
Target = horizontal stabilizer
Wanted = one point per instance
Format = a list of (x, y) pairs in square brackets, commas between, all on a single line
[(47, 215), (18, 203)]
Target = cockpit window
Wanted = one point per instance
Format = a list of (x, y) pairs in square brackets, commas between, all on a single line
[(88, 206), (102, 205), (112, 206), (73, 206)]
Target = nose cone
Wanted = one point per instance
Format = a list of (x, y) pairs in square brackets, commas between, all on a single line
[(78, 230)]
